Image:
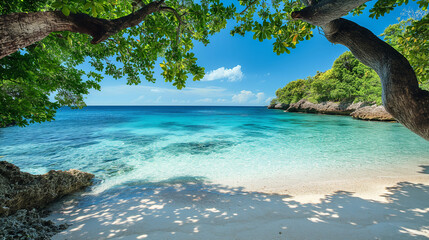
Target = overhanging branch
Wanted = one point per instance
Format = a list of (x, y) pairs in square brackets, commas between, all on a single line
[(19, 30), (326, 11)]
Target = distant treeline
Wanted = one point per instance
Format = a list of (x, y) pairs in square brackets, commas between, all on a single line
[(350, 81)]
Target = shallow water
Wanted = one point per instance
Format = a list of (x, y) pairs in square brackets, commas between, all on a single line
[(128, 145)]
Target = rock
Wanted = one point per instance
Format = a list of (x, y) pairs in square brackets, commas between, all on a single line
[(26, 224), (20, 190), (373, 113), (325, 107), (360, 110), (282, 106)]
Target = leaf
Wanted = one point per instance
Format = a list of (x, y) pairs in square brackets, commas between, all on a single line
[(65, 10), (294, 39), (87, 6), (57, 5)]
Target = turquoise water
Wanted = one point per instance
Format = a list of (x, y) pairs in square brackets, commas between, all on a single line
[(127, 145)]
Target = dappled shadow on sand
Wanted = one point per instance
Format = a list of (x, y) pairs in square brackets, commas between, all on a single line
[(188, 208), (425, 169)]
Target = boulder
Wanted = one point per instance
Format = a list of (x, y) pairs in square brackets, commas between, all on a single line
[(373, 113), (20, 190)]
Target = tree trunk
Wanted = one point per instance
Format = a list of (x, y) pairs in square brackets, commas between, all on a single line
[(18, 30), (401, 94)]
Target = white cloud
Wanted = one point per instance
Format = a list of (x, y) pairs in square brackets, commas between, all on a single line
[(233, 75), (248, 97), (243, 96), (260, 96), (205, 100), (268, 100), (130, 90)]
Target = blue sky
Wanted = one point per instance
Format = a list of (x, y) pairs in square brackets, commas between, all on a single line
[(240, 71)]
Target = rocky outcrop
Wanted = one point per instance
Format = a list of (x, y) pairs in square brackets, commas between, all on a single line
[(360, 110), (281, 106), (26, 224), (373, 113), (325, 107), (20, 190)]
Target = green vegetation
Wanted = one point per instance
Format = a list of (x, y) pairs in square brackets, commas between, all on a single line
[(410, 38), (350, 81), (50, 68), (37, 80)]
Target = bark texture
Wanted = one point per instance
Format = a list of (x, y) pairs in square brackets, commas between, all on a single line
[(401, 94), (18, 30)]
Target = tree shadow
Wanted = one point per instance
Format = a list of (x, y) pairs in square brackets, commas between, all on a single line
[(425, 169), (189, 208)]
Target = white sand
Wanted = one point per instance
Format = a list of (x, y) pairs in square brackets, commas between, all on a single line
[(359, 207)]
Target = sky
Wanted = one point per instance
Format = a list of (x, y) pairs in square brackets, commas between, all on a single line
[(240, 71)]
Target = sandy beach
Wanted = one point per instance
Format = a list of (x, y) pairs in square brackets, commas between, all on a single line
[(373, 208)]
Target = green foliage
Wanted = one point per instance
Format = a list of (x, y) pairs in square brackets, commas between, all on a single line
[(382, 7), (273, 21), (410, 38), (50, 67), (274, 101), (347, 81)]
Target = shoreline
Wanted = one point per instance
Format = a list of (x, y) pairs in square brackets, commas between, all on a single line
[(198, 210), (360, 110)]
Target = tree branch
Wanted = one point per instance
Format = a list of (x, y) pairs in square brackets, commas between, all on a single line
[(178, 17), (325, 11), (18, 30), (401, 94), (248, 6)]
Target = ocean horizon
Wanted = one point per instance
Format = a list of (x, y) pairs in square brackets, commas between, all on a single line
[(174, 172), (230, 145)]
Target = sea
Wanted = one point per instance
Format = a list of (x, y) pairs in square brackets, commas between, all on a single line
[(129, 145)]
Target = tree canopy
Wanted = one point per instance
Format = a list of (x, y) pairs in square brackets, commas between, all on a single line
[(351, 81), (44, 42), (347, 81), (51, 66)]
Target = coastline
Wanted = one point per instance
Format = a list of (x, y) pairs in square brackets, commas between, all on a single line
[(24, 198), (359, 110), (306, 181)]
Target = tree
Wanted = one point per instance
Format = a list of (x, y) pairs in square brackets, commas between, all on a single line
[(57, 35), (347, 81), (409, 37), (401, 94), (174, 25)]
